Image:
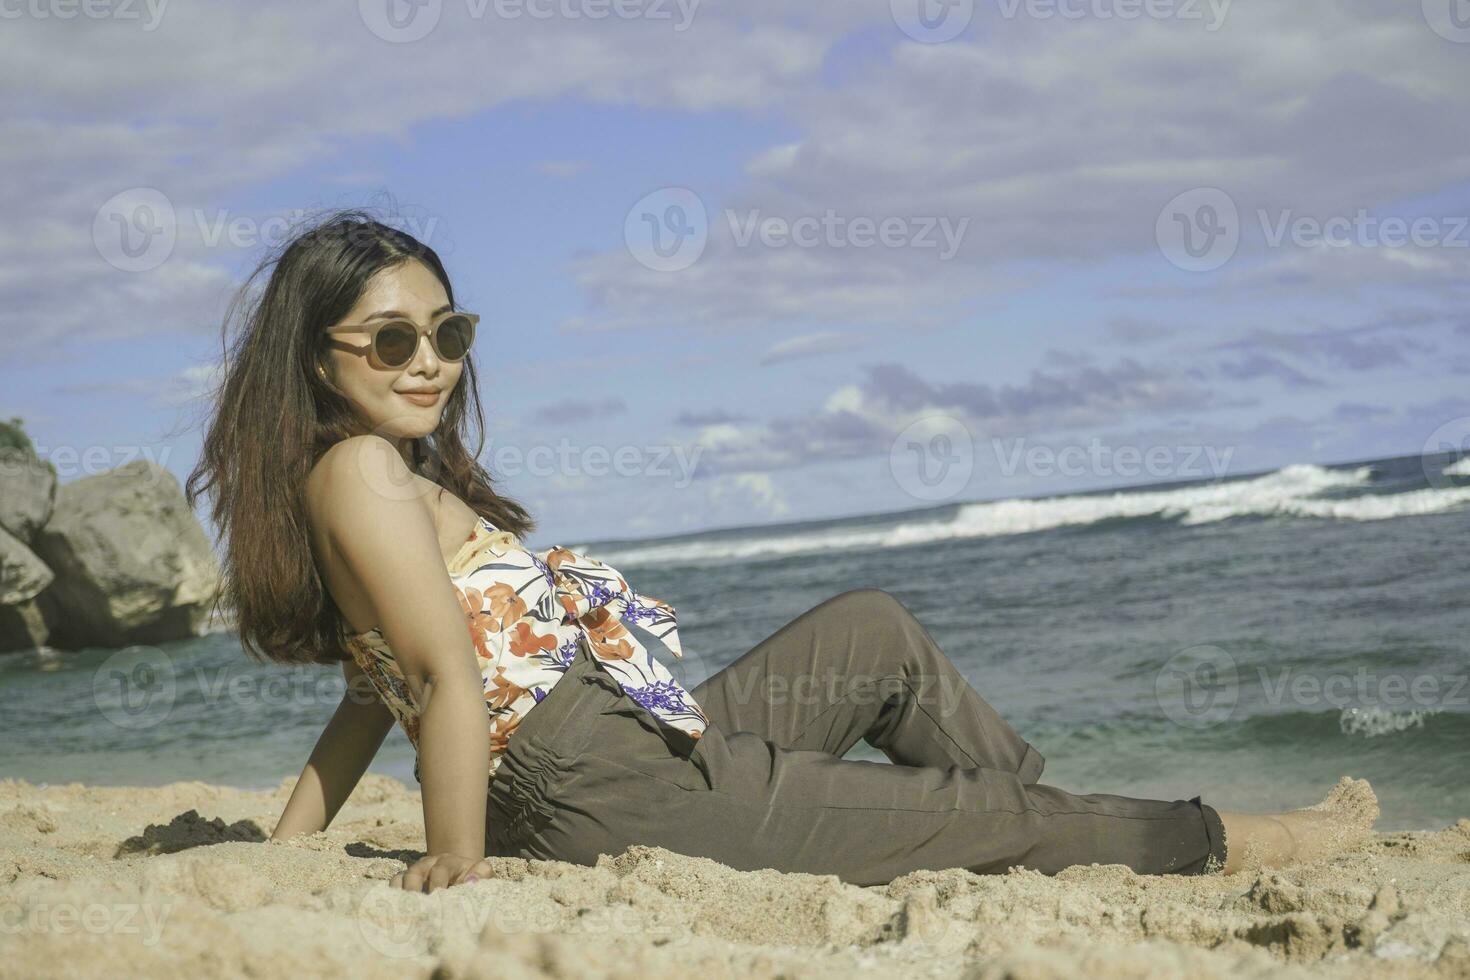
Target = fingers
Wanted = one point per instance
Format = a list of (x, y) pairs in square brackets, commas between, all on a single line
[(414, 877), (435, 871), (472, 874), (441, 875)]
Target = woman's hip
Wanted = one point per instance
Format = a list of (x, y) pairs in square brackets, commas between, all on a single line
[(564, 758)]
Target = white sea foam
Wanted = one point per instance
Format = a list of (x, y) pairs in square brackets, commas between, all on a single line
[(1294, 491), (1460, 468), (1374, 721)]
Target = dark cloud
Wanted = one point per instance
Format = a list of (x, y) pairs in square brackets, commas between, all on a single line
[(713, 416), (574, 410), (1361, 348), (1258, 365), (1085, 393), (1134, 330), (1359, 412)]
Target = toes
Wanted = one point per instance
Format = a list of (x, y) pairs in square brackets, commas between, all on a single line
[(1353, 800)]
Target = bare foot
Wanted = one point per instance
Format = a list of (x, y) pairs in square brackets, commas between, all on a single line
[(1343, 821)]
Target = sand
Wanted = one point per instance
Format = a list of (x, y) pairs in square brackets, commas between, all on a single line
[(180, 881)]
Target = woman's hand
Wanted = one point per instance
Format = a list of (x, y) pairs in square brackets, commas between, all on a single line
[(434, 871)]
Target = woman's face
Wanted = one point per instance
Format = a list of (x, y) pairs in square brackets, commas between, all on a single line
[(378, 395)]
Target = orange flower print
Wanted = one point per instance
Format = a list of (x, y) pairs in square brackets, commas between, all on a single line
[(501, 691), (610, 639), (471, 601), (505, 605), (490, 611), (500, 732), (525, 641)]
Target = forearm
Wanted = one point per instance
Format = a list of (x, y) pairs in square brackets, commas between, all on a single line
[(454, 768), (346, 748)]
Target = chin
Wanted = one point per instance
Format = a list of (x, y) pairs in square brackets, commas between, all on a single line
[(409, 425)]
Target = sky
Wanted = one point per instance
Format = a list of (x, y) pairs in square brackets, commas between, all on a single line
[(751, 262)]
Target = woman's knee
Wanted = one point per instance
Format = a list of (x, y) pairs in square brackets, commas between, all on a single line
[(869, 603)]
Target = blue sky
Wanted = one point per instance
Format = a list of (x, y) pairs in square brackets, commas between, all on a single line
[(1070, 153)]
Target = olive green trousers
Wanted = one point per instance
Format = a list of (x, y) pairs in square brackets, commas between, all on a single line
[(589, 771)]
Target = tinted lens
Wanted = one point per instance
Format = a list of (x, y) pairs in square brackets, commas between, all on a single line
[(454, 337), (396, 343)]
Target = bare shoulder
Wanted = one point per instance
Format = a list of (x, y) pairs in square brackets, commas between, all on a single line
[(360, 480), (377, 542)]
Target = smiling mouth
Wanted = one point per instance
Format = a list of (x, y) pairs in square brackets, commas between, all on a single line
[(421, 397)]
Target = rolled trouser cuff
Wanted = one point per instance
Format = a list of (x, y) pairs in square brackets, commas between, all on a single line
[(1215, 832)]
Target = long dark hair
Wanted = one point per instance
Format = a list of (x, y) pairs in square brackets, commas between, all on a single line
[(273, 417)]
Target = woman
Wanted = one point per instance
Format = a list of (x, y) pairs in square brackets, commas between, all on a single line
[(338, 471)]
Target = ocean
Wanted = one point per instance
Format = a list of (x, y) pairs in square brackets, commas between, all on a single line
[(1247, 640)]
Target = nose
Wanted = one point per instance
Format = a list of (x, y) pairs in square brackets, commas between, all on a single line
[(425, 362)]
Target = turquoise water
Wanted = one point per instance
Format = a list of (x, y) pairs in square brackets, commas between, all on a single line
[(1247, 641)]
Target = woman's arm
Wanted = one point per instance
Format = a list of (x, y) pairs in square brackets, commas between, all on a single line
[(342, 754), (377, 522)]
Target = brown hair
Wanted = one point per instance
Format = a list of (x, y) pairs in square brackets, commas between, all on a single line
[(273, 417)]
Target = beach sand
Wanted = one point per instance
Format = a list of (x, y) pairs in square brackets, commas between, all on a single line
[(180, 881)]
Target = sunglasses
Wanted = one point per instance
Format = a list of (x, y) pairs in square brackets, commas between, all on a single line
[(393, 343)]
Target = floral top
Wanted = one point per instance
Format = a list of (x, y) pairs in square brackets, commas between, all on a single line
[(526, 612)]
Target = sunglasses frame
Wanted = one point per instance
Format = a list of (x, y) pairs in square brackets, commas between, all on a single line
[(374, 328)]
